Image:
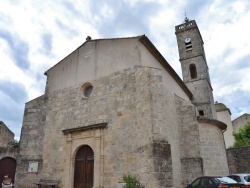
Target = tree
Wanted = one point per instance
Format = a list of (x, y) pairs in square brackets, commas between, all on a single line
[(242, 138)]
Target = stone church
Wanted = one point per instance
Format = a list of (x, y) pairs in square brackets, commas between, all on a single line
[(116, 106)]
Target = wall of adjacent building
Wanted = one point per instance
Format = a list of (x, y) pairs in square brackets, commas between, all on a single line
[(240, 122), (31, 142), (224, 115), (228, 134), (6, 135)]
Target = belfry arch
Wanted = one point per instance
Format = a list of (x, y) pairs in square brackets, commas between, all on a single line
[(193, 71)]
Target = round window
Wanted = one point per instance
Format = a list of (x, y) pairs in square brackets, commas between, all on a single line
[(87, 89)]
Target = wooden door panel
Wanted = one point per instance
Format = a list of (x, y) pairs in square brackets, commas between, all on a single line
[(84, 168), (78, 171), (7, 167)]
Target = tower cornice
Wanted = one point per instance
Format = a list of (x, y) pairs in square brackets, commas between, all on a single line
[(187, 26)]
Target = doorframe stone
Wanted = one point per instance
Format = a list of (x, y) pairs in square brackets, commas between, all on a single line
[(93, 136)]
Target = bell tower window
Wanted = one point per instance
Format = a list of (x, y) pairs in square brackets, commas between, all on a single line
[(201, 112), (193, 71)]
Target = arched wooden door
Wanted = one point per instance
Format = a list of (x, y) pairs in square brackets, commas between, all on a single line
[(7, 167), (84, 168)]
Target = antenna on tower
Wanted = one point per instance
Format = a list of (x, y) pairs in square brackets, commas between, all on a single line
[(186, 20)]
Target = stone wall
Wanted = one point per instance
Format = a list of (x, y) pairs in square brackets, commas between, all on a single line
[(149, 132), (163, 123), (213, 150), (31, 142), (201, 143), (6, 135), (9, 152), (141, 136), (190, 155), (239, 160)]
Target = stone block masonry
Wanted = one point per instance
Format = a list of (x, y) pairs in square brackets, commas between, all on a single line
[(239, 160), (6, 135), (127, 102), (31, 141)]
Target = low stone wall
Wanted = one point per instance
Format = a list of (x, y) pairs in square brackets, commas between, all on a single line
[(239, 160)]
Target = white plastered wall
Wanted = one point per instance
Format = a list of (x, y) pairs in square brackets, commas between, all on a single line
[(96, 59)]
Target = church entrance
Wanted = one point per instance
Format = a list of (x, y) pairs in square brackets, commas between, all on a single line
[(7, 167), (84, 168)]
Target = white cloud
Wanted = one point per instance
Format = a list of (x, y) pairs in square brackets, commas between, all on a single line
[(107, 12), (9, 71)]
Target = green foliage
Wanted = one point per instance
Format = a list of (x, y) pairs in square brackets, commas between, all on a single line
[(242, 138), (15, 144), (131, 181)]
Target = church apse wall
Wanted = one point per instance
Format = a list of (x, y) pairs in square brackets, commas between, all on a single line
[(202, 149), (213, 147)]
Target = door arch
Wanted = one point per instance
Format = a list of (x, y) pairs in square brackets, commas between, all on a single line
[(8, 167), (84, 168)]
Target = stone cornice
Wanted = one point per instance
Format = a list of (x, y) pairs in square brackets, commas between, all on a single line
[(187, 26), (215, 122), (84, 128)]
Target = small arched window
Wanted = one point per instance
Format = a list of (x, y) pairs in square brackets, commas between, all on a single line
[(193, 71)]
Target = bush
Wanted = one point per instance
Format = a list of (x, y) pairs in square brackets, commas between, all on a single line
[(131, 181), (15, 144)]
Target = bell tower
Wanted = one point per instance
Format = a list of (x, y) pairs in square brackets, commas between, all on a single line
[(194, 67)]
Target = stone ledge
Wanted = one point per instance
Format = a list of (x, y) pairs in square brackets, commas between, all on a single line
[(84, 128), (215, 122)]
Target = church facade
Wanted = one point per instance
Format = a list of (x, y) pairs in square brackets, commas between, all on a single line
[(115, 106)]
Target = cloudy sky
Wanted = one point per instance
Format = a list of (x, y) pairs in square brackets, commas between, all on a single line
[(36, 34)]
